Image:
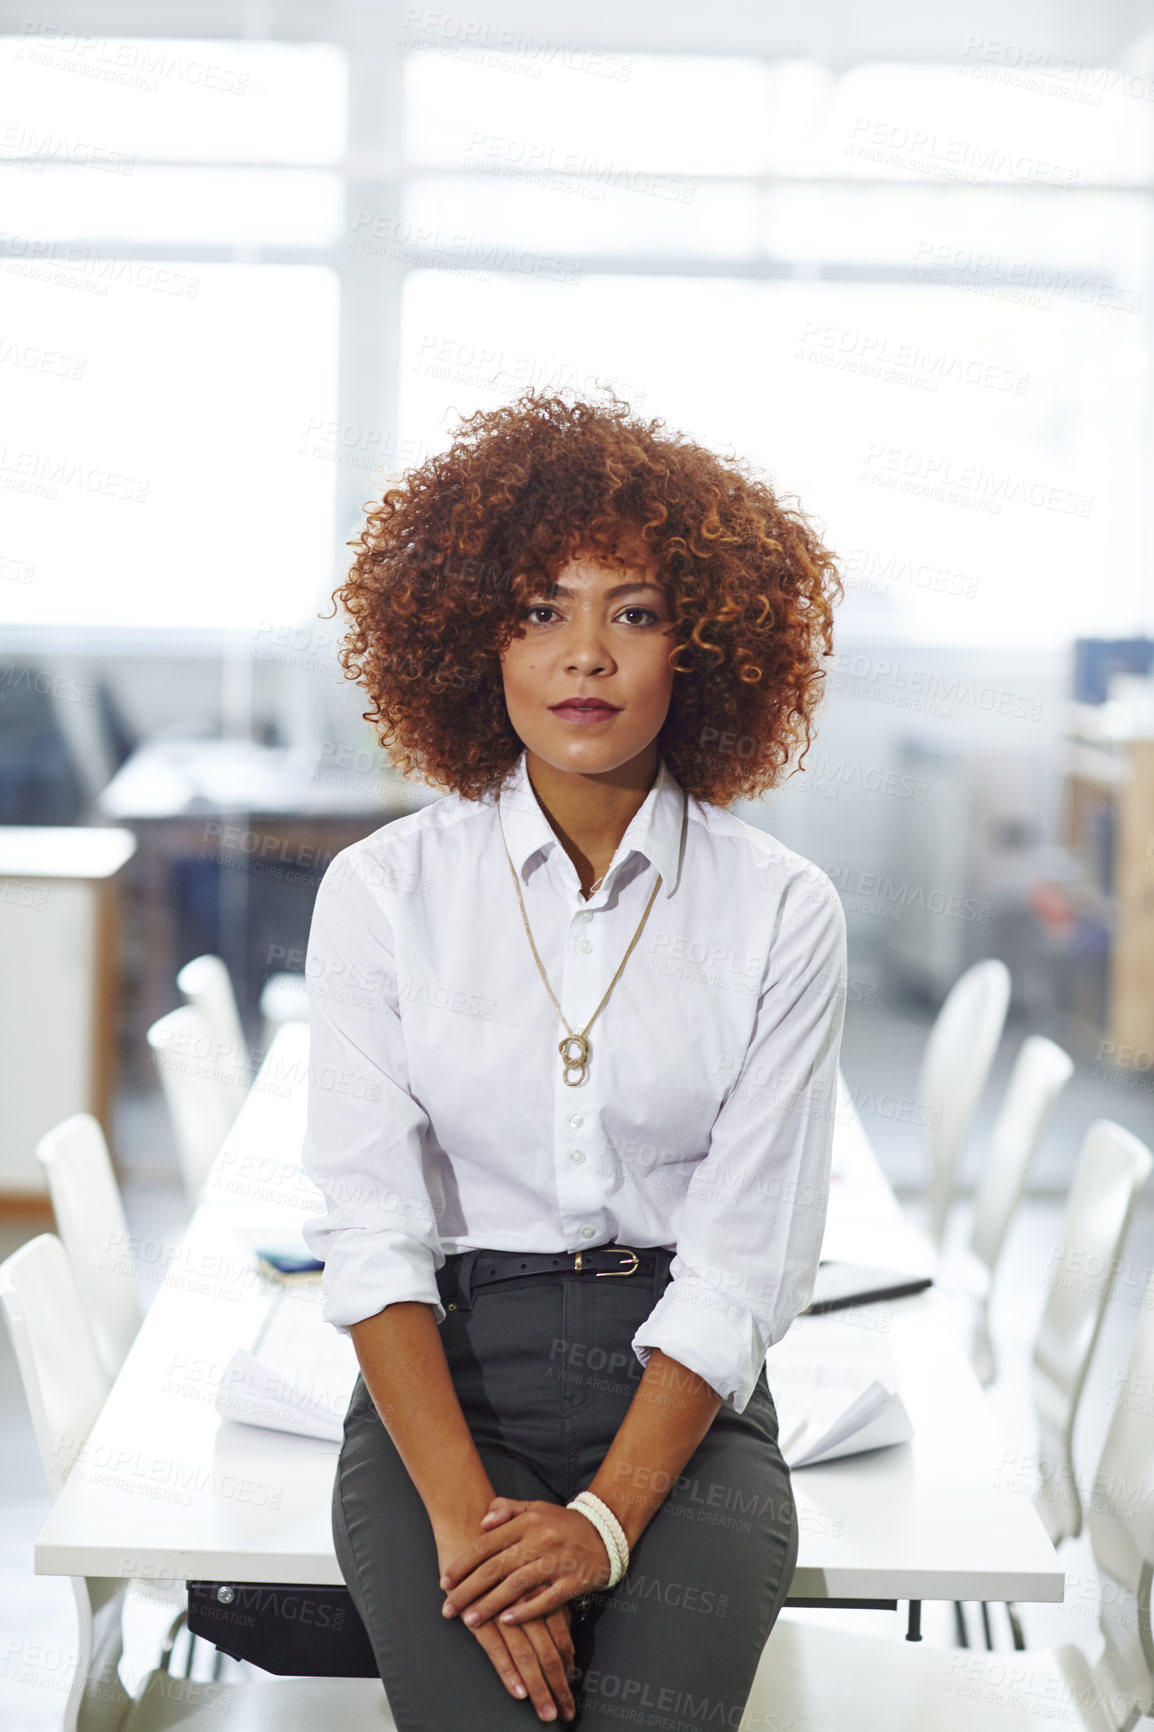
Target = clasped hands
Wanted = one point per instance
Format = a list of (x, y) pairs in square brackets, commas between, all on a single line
[(532, 1558)]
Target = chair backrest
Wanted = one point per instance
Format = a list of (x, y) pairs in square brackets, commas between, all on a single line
[(1041, 1070), (65, 1387), (90, 1221), (954, 1068), (1112, 1168), (1121, 1524), (202, 1089), (284, 998), (206, 983), (64, 1383)]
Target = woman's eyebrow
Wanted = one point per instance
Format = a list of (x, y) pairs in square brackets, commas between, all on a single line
[(618, 589)]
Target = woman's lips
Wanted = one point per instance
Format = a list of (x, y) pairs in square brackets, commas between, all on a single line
[(569, 713)]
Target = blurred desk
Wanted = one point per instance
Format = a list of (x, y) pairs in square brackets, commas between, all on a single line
[(59, 1007), (265, 815)]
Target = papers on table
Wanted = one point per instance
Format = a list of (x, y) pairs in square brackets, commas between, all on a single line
[(298, 1376), (874, 1418), (835, 1389)]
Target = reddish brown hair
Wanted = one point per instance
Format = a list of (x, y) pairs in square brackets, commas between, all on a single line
[(448, 558)]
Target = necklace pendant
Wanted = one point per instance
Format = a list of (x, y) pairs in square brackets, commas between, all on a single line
[(574, 1050)]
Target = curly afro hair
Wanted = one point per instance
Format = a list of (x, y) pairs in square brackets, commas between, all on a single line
[(447, 560)]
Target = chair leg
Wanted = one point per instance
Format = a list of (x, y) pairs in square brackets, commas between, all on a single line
[(97, 1700), (982, 1350), (986, 1630), (914, 1627), (168, 1645), (960, 1625), (1016, 1630)]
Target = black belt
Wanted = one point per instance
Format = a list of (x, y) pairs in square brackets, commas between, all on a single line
[(466, 1272)]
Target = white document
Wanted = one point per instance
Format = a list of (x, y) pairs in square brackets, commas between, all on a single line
[(298, 1376), (834, 1385)]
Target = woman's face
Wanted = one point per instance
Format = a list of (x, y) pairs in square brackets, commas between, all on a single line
[(604, 631)]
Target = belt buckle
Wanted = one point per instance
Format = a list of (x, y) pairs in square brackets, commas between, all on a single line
[(634, 1259)]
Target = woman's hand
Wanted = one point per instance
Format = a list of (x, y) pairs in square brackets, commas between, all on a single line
[(533, 1658), (531, 1559)]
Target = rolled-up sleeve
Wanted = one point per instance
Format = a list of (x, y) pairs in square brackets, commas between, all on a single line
[(363, 1145), (750, 1237)]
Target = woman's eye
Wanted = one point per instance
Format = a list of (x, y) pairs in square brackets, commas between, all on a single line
[(547, 607)]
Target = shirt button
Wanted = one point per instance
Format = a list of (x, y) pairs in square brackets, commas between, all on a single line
[(585, 946), (587, 1232), (577, 1155), (576, 1121), (585, 915)]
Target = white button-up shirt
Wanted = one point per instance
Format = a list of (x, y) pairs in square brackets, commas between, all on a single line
[(439, 1115)]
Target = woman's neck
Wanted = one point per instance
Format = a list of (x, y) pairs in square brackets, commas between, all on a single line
[(589, 814)]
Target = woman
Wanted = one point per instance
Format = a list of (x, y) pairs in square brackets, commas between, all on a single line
[(575, 1032)]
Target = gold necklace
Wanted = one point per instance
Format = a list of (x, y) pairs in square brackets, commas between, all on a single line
[(575, 1049)]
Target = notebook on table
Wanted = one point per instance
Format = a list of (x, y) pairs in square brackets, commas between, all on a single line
[(839, 1285)]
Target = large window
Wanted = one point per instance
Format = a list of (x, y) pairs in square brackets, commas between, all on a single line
[(246, 282), (163, 393)]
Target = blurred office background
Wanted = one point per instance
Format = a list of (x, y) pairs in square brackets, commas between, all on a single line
[(256, 259), (259, 259)]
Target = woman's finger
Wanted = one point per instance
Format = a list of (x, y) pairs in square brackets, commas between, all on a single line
[(493, 1642), (536, 1655), (558, 1625), (541, 1603), (529, 1579), (484, 1579), (522, 1656), (502, 1509), (489, 1545)]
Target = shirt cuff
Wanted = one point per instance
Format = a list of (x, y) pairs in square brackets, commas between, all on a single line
[(711, 1336), (367, 1271)]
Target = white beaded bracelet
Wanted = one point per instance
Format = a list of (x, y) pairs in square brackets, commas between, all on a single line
[(612, 1533)]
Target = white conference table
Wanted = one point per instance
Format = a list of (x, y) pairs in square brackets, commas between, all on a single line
[(166, 1489)]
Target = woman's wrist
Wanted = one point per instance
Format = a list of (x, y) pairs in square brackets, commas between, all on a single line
[(669, 1415), (458, 1508)]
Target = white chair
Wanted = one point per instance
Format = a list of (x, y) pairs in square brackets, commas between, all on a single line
[(818, 1680), (1112, 1168), (90, 1221), (206, 983), (202, 1088), (283, 998), (65, 1389), (954, 1068), (1113, 1165), (1041, 1071)]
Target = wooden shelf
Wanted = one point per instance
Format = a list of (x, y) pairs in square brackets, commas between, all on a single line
[(1108, 825)]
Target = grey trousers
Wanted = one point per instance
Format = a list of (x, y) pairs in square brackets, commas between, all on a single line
[(544, 1372)]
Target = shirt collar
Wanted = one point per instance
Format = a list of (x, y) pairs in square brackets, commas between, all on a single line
[(655, 830)]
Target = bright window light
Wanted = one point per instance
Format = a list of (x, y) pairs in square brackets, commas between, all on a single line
[(485, 221), (159, 442), (617, 119), (95, 100), (222, 207), (974, 465)]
